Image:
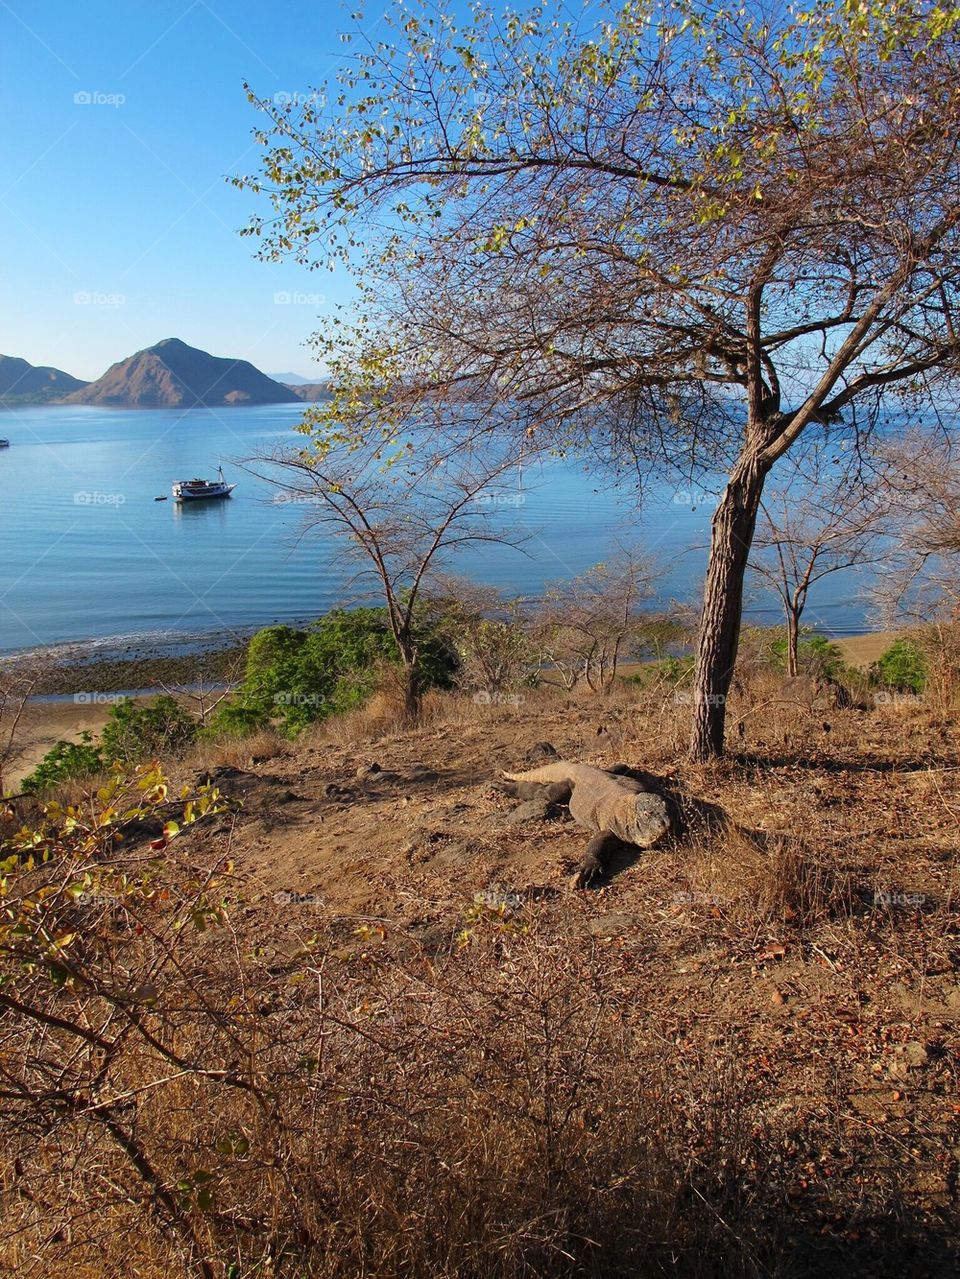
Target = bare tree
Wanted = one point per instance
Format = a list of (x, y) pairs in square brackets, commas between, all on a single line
[(402, 513), (922, 581), (203, 693), (676, 233), (823, 516), (585, 626)]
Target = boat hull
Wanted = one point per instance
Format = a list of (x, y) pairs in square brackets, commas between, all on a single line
[(219, 495)]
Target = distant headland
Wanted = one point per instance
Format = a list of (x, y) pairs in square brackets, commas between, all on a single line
[(170, 374)]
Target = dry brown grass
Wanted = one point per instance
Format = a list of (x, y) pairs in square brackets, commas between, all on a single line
[(238, 752), (500, 1108), (487, 1111), (940, 646), (382, 717)]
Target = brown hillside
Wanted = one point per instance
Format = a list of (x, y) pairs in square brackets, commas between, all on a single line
[(174, 375), (739, 1056)]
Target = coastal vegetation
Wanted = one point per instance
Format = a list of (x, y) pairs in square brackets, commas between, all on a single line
[(469, 640)]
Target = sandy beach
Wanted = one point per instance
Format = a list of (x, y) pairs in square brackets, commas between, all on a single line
[(45, 723)]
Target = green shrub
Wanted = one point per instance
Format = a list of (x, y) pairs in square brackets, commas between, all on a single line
[(139, 730), (64, 762), (236, 719), (295, 677), (816, 655), (901, 667), (655, 633)]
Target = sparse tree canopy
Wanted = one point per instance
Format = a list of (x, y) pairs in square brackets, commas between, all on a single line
[(922, 583), (400, 517), (585, 626), (665, 230), (824, 514)]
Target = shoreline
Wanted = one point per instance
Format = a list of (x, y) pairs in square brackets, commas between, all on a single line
[(185, 664), (132, 673)]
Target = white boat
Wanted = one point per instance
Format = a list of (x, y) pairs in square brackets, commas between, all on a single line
[(202, 490)]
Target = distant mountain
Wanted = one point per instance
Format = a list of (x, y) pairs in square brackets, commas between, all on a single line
[(23, 383), (289, 379), (311, 391), (174, 375)]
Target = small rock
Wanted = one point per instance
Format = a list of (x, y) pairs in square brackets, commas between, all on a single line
[(907, 1057), (368, 770), (915, 1054), (532, 810), (539, 753)]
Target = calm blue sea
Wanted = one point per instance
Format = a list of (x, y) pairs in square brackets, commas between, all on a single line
[(87, 555)]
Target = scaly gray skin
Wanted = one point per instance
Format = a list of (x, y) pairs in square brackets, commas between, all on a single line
[(613, 806)]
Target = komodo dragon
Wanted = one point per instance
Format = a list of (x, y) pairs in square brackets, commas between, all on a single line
[(617, 808)]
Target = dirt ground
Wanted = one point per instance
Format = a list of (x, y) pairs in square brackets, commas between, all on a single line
[(802, 925), (815, 925)]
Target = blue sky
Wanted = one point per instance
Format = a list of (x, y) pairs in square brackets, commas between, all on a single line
[(121, 121)]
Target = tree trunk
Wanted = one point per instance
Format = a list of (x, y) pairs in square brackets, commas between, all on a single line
[(732, 535), (793, 643), (412, 690)]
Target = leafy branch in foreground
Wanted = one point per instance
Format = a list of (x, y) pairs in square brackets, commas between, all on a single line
[(73, 904)]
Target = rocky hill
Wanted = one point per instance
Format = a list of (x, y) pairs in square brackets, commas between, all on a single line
[(25, 383), (311, 392), (175, 375)]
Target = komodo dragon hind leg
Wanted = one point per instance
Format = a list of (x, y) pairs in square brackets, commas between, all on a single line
[(557, 793)]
